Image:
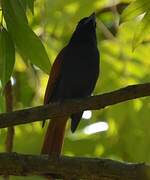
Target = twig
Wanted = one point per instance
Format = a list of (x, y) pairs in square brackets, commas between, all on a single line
[(107, 33), (120, 7)]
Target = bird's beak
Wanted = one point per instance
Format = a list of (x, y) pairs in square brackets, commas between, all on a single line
[(91, 18)]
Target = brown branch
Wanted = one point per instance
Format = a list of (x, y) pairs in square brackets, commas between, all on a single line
[(120, 7), (9, 108), (71, 167), (116, 9), (10, 130), (107, 33), (71, 106)]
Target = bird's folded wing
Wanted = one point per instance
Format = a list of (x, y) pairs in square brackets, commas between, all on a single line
[(53, 77)]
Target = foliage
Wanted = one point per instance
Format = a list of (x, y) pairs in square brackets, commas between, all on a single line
[(7, 56), (52, 23), (140, 12)]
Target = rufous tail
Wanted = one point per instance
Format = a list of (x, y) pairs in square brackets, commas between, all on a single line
[(54, 137)]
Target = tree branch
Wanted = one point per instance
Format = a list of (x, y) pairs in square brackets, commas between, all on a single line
[(40, 113), (73, 167), (9, 108), (120, 7)]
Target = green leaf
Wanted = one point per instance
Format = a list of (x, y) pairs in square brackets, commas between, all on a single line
[(13, 11), (135, 9), (24, 4), (142, 30), (27, 4), (7, 56), (31, 5), (2, 103), (142, 26), (29, 45)]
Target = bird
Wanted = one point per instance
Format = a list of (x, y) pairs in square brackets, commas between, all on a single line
[(73, 75)]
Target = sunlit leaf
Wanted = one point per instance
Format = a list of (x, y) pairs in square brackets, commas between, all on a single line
[(29, 45), (140, 12), (31, 5), (136, 8), (142, 30), (7, 56), (27, 4)]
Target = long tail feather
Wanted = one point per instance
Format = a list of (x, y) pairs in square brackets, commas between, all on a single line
[(54, 136)]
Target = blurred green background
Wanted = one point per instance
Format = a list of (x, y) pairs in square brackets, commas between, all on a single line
[(125, 132)]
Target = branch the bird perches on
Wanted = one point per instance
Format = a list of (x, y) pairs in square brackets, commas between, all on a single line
[(41, 113)]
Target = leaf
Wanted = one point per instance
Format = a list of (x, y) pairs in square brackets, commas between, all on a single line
[(24, 4), (27, 4), (142, 30), (31, 5), (2, 103), (15, 11), (29, 45), (135, 9), (142, 27), (7, 56)]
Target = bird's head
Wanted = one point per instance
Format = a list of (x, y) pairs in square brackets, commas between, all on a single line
[(85, 30)]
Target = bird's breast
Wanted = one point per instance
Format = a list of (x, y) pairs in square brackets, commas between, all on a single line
[(81, 68), (83, 57)]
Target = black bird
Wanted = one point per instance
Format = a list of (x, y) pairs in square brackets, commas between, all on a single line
[(73, 75)]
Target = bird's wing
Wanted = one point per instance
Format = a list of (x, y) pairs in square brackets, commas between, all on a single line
[(53, 77)]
